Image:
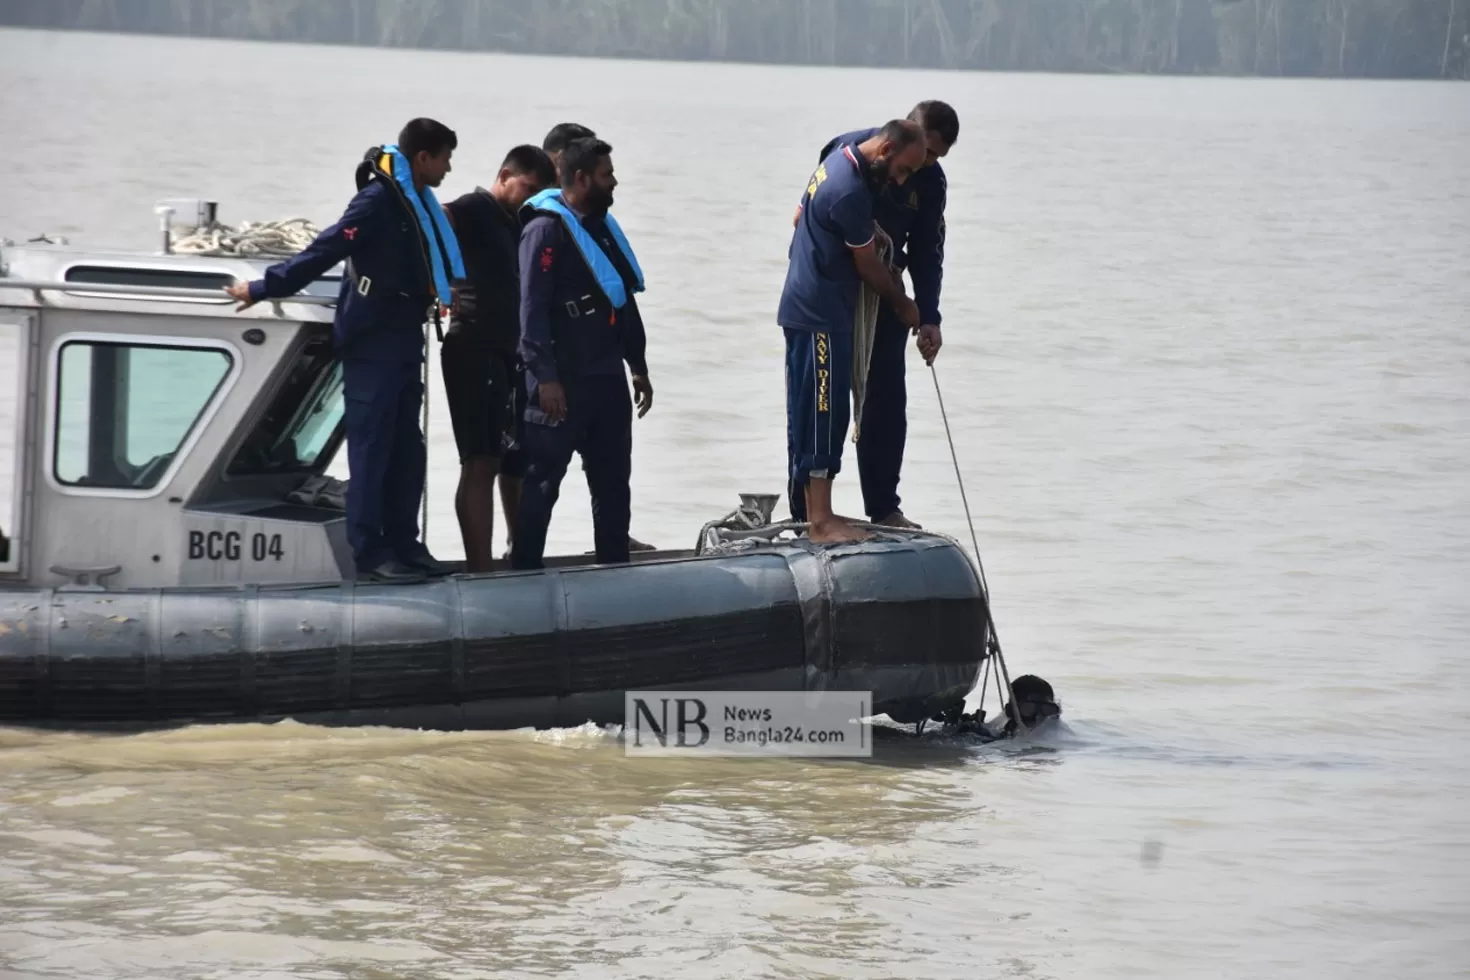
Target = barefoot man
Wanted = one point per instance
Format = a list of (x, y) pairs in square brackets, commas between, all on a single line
[(833, 253)]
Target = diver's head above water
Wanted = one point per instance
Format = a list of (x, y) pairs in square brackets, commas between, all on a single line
[(1035, 702)]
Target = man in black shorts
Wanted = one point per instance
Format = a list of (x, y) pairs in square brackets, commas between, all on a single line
[(483, 379)]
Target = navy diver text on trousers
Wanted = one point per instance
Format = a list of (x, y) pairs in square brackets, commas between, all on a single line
[(386, 459), (884, 425), (818, 406), (598, 427)]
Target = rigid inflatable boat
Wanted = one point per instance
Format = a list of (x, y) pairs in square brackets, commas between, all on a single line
[(176, 555)]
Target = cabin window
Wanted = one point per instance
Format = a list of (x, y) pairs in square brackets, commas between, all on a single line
[(124, 410), (101, 276), (303, 422), (109, 275)]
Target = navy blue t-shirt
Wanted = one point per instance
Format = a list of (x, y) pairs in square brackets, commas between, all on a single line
[(913, 215), (822, 280)]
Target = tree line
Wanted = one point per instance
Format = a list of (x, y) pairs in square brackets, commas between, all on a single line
[(1301, 38)]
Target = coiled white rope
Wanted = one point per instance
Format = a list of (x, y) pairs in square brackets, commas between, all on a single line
[(273, 239)]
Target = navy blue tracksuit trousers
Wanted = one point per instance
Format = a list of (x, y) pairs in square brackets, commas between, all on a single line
[(818, 408), (386, 458), (883, 428), (599, 427)]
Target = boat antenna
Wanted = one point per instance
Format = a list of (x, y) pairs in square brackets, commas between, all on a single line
[(994, 641)]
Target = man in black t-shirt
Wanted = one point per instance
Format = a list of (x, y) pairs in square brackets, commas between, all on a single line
[(483, 378)]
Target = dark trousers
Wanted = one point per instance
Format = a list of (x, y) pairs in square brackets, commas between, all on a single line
[(818, 408), (386, 459), (883, 429), (599, 428)]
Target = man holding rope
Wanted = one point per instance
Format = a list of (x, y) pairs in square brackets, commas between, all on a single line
[(833, 253), (912, 214)]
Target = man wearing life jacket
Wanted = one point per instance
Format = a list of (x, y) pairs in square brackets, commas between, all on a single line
[(833, 252), (555, 143), (478, 356), (579, 325), (912, 214), (401, 258)]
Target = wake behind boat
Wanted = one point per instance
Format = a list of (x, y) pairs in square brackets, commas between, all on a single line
[(179, 556)]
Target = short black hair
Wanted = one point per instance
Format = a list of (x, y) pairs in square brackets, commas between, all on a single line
[(938, 117), (903, 133), (1029, 687), (528, 159), (426, 135), (581, 156), (563, 133)]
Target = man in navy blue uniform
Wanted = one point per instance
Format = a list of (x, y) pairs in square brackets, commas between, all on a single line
[(579, 324), (401, 259), (912, 214), (555, 143), (833, 252)]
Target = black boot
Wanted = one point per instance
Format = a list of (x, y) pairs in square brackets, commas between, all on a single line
[(391, 571)]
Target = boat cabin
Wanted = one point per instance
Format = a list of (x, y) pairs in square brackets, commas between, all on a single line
[(151, 436)]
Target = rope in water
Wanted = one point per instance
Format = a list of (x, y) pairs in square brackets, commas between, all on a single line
[(1000, 659)]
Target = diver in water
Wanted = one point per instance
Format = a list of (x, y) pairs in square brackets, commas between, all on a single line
[(1035, 702)]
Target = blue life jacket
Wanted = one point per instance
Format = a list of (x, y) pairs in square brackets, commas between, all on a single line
[(603, 270), (441, 247)]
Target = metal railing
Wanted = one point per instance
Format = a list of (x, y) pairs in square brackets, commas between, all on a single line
[(97, 289)]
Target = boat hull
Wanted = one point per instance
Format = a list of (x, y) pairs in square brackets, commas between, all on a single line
[(904, 619)]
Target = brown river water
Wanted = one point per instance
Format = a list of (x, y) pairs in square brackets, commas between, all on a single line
[(1207, 362)]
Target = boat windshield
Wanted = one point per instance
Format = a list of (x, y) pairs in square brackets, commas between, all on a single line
[(302, 423)]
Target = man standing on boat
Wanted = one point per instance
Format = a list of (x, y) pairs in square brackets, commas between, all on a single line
[(833, 253), (555, 143), (401, 258), (479, 360), (912, 214), (579, 324)]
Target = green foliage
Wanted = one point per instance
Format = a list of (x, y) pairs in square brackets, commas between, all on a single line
[(1354, 38)]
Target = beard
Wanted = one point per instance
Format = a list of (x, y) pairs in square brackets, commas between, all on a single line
[(599, 200), (879, 171)]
